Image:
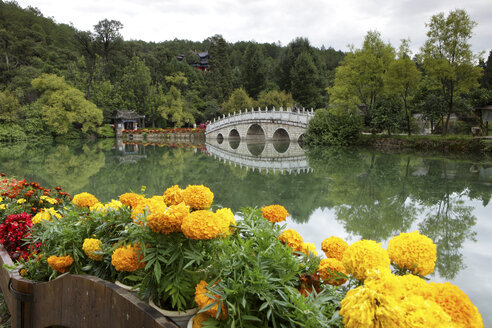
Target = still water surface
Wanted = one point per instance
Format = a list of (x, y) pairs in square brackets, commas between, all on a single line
[(350, 193)]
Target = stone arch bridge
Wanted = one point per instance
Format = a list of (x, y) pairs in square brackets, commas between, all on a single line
[(261, 125)]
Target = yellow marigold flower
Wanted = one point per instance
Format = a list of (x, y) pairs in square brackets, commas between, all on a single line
[(199, 318), (92, 248), (84, 200), (21, 201), (227, 219), (456, 304), (60, 263), (169, 220), (98, 207), (309, 248), (173, 195), (202, 225), (4, 206), (334, 247), (364, 307), (113, 205), (46, 214), (422, 313), (329, 271), (274, 213), (127, 258), (292, 239), (202, 300), (131, 199), (1, 199), (413, 285), (414, 252), (365, 255), (198, 197), (48, 199)]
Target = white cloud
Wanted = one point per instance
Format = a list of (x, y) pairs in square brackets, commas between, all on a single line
[(324, 22)]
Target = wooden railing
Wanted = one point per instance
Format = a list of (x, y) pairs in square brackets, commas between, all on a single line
[(74, 301)]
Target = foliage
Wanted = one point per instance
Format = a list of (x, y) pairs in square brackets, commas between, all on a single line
[(448, 60), (334, 126), (305, 81), (360, 77), (239, 101), (11, 132), (64, 107), (274, 98), (173, 109), (253, 70), (262, 289), (387, 114), (10, 109)]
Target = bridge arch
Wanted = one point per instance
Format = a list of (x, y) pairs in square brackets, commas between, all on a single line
[(234, 134), (281, 134), (255, 131), (220, 138)]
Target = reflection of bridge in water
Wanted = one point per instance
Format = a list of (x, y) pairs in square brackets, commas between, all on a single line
[(273, 156)]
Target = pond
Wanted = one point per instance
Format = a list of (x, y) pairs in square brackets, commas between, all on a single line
[(350, 193)]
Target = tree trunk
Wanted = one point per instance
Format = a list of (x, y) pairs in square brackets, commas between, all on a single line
[(408, 116)]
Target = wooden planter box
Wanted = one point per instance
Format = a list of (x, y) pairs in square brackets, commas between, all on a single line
[(74, 301)]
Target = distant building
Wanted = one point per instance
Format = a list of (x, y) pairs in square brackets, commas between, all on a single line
[(127, 120), (203, 61)]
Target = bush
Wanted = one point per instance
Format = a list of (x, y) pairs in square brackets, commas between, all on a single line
[(334, 126), (105, 131), (11, 132)]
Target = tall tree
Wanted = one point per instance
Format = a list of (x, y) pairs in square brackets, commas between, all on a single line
[(107, 33), (402, 79), (448, 60), (359, 80), (305, 81), (238, 101), (221, 74), (486, 80), (135, 86), (287, 60), (253, 70), (173, 110)]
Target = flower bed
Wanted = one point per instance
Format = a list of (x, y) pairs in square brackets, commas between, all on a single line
[(200, 129), (181, 251)]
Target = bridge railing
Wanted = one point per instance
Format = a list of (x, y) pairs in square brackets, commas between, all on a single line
[(297, 117)]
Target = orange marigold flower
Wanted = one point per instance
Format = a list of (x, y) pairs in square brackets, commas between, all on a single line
[(363, 256), (274, 213), (168, 220), (330, 271), (84, 200), (334, 247), (413, 251), (60, 263), (202, 300), (456, 304), (309, 248), (127, 258), (203, 225), (131, 199), (199, 318), (198, 197), (173, 195), (292, 239)]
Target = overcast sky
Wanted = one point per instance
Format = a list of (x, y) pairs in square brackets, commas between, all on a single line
[(332, 23)]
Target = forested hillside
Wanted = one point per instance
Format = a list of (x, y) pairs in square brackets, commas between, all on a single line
[(113, 73)]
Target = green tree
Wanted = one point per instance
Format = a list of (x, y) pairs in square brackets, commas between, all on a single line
[(239, 100), (274, 98), (387, 114), (173, 110), (359, 80), (253, 70), (486, 80), (305, 81), (220, 77), (64, 107), (448, 60), (107, 35), (402, 79), (10, 109), (135, 86)]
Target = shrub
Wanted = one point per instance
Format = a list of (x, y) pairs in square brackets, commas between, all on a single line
[(105, 131), (334, 126), (11, 132)]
